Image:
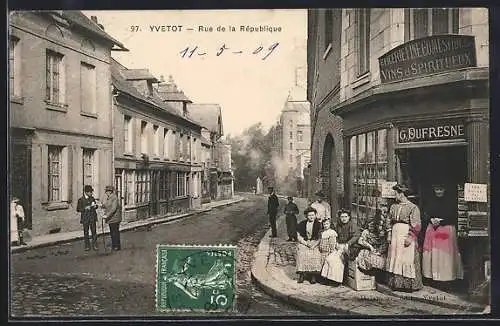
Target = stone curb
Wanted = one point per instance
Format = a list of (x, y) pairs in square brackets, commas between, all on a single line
[(127, 227), (266, 282)]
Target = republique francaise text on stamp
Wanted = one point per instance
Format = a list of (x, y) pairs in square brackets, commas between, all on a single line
[(195, 278)]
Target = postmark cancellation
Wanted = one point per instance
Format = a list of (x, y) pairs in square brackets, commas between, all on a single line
[(194, 278)]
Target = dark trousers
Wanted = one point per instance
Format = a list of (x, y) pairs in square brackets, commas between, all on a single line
[(272, 221), (291, 226), (114, 231), (86, 238)]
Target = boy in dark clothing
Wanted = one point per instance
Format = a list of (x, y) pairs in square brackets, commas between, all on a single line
[(291, 211), (272, 210)]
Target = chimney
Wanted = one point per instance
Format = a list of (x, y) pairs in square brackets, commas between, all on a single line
[(94, 19)]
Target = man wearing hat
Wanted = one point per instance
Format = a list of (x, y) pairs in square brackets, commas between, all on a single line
[(272, 210), (323, 210), (87, 206), (113, 216)]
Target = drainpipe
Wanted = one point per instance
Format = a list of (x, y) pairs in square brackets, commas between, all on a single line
[(114, 95)]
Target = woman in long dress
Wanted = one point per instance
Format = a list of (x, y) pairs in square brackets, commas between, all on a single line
[(308, 255), (373, 244), (441, 259), (403, 260), (16, 222), (348, 234)]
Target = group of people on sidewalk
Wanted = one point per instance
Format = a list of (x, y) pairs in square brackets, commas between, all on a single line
[(87, 207), (387, 243)]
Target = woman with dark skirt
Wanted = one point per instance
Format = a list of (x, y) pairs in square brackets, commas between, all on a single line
[(309, 261)]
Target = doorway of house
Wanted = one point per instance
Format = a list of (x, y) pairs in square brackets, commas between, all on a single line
[(446, 166)]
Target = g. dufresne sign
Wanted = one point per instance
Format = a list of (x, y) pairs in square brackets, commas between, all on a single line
[(428, 55)]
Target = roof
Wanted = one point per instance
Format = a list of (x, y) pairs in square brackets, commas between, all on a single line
[(174, 96), (207, 115), (80, 20), (119, 81), (138, 74), (299, 106)]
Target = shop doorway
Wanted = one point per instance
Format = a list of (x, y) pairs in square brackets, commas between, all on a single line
[(329, 174), (446, 166), (20, 178)]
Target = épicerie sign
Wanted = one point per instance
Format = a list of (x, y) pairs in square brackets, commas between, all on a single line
[(431, 131), (428, 55)]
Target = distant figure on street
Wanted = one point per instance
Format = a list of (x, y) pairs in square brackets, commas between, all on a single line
[(272, 210), (16, 222), (87, 206), (322, 207), (112, 216), (309, 259), (291, 211)]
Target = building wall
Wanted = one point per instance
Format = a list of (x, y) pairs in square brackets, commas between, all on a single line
[(63, 125), (324, 92), (387, 31)]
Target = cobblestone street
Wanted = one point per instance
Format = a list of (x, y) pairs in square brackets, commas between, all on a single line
[(66, 281)]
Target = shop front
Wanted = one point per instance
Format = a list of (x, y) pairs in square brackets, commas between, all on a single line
[(425, 130)]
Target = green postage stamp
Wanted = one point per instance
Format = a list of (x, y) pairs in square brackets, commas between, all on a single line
[(195, 278)]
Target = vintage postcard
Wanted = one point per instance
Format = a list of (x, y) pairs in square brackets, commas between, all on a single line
[(249, 162)]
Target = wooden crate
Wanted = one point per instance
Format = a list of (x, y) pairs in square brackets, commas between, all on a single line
[(358, 280)]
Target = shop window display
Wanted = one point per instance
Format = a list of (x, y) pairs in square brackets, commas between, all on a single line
[(368, 169)]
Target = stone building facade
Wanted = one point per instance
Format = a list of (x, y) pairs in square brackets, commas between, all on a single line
[(60, 114)]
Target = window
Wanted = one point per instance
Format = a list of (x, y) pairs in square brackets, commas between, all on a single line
[(129, 187), (128, 133), (368, 169), (187, 147), (363, 32), (291, 145), (195, 150), (328, 28), (166, 143), (156, 141), (163, 185), (291, 123), (430, 21), (14, 68), (88, 167), (144, 137), (88, 84), (54, 78), (291, 134), (300, 136), (55, 173), (142, 187), (290, 158), (173, 146), (181, 184)]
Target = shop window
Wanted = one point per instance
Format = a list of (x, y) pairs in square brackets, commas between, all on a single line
[(430, 21), (142, 187), (181, 184), (129, 187), (363, 32), (163, 185), (368, 169)]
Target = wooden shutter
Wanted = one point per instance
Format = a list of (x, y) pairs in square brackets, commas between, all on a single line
[(70, 179), (44, 177), (64, 174)]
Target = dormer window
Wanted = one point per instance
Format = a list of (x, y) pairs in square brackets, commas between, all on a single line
[(149, 91)]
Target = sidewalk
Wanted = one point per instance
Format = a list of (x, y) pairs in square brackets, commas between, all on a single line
[(274, 271), (57, 238)]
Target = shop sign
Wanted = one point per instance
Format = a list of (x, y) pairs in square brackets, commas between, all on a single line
[(476, 192), (386, 189), (428, 55), (433, 131)]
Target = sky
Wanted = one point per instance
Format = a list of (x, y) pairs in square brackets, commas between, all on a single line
[(248, 88)]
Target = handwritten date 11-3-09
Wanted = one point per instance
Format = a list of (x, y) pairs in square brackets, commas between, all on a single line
[(189, 52)]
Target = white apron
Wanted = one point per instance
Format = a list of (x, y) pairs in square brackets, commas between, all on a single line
[(400, 259)]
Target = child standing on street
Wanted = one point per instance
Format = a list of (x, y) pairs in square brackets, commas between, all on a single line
[(291, 211)]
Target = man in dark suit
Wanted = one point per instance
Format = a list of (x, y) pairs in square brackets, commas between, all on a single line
[(272, 210), (87, 206)]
